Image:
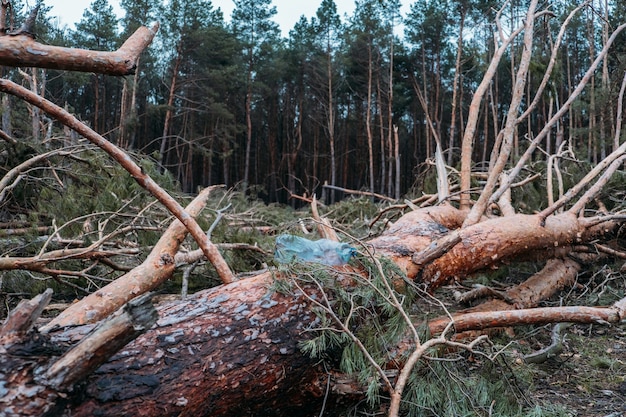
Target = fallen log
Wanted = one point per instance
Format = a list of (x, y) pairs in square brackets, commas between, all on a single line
[(37, 373), (412, 240), (231, 350), (234, 349)]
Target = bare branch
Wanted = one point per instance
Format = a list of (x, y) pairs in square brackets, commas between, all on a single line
[(553, 56), (13, 176), (511, 122), (129, 165), (597, 187), (23, 51), (467, 143), (22, 318), (557, 116), (606, 164), (366, 193), (156, 268)]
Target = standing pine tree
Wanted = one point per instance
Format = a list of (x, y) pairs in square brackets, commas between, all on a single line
[(252, 25), (328, 29), (138, 13), (184, 37), (98, 30), (365, 54)]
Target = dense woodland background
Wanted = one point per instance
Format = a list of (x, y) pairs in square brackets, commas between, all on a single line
[(230, 101)]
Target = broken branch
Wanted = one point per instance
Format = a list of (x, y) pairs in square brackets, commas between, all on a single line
[(22, 50), (143, 179), (103, 342)]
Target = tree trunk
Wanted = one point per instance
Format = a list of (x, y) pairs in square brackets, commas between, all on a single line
[(331, 117), (368, 117), (234, 349), (122, 141), (227, 351), (169, 112), (455, 84), (246, 166)]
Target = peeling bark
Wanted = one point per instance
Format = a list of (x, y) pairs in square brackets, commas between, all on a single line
[(32, 380), (483, 245), (231, 350)]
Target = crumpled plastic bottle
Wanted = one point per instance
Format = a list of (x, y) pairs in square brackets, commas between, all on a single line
[(290, 248)]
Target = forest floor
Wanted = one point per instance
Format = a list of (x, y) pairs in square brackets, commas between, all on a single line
[(588, 378)]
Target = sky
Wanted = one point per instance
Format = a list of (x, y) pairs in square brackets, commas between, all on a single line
[(288, 11)]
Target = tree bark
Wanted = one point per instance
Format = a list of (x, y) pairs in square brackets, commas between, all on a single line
[(233, 349), (22, 50), (368, 117), (169, 112)]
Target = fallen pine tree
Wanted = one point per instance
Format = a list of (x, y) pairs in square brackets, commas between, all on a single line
[(236, 349)]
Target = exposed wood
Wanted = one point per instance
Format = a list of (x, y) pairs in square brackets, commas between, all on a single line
[(153, 271), (21, 350), (414, 232), (22, 319), (490, 242), (104, 341), (33, 381), (324, 227), (549, 125), (436, 249), (23, 51), (555, 275), (501, 155), (6, 137)]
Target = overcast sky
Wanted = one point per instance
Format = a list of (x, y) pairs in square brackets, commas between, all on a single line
[(289, 11)]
